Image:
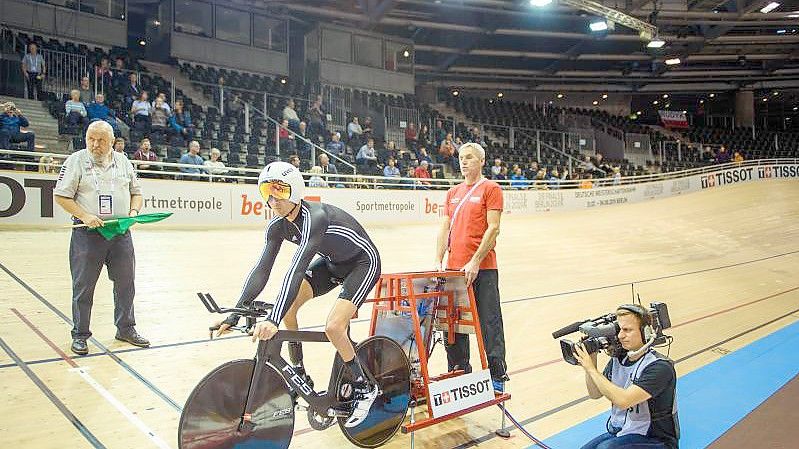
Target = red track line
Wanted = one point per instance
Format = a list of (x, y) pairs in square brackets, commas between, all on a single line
[(729, 309), (52, 345)]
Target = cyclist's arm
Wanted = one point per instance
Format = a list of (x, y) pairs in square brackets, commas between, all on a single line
[(259, 275), (313, 231)]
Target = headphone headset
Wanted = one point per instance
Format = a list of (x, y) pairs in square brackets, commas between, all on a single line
[(647, 331)]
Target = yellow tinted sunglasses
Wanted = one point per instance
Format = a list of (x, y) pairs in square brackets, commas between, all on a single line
[(278, 190)]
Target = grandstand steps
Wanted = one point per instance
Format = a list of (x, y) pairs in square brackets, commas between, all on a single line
[(450, 112), (182, 82), (42, 124)]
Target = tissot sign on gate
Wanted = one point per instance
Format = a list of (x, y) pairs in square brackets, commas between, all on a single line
[(461, 392)]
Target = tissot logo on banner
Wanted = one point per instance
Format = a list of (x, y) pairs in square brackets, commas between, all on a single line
[(727, 177), (459, 393)]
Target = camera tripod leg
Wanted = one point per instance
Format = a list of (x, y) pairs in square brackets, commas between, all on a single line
[(412, 404), (502, 432)]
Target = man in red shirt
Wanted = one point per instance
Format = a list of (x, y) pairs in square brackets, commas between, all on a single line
[(469, 231)]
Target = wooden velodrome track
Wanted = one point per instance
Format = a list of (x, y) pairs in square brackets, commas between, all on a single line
[(726, 261)]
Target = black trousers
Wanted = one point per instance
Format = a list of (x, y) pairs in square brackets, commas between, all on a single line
[(88, 252), (34, 84), (486, 293)]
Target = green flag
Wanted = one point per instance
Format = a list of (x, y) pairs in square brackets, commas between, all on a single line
[(119, 226)]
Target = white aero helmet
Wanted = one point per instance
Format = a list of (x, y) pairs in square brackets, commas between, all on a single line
[(282, 181)]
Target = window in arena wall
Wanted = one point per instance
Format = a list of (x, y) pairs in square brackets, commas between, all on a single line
[(368, 51), (233, 25), (194, 18), (337, 45), (269, 33), (107, 8)]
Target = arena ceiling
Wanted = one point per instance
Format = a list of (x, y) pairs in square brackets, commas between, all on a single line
[(509, 44)]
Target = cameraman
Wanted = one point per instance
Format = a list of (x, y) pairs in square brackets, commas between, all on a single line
[(640, 384), (11, 120)]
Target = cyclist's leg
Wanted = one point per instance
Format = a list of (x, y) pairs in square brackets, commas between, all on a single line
[(318, 281)]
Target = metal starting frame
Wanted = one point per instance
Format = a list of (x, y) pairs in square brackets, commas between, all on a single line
[(422, 301)]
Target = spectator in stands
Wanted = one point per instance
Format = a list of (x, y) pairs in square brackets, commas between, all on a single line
[(284, 138), (440, 133), (366, 155), (722, 157), (336, 146), (118, 75), (290, 114), (447, 149), (738, 157), (11, 122), (303, 145), (390, 152), (315, 180), (368, 127), (587, 165), (162, 97), (295, 161), (476, 137), (553, 182), (616, 176), (85, 89), (503, 174), (140, 110), (421, 155), (145, 154), (496, 169), (532, 171), (192, 157), (215, 166), (180, 121), (518, 180), (119, 145), (219, 93), (424, 136), (75, 109), (133, 90), (411, 136), (99, 111), (159, 116), (235, 107), (391, 170), (316, 120), (458, 142), (354, 132), (102, 74), (422, 173), (541, 181), (33, 68), (328, 167), (48, 165)]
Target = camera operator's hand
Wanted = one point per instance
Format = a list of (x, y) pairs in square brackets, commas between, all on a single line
[(586, 360)]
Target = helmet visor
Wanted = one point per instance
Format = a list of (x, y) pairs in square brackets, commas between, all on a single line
[(278, 190)]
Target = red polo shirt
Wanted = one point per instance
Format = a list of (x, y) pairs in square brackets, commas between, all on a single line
[(471, 222)]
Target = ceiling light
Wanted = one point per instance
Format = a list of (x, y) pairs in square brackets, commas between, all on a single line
[(283, 81), (655, 102), (770, 7), (406, 53), (712, 95), (156, 23), (550, 102), (765, 99), (673, 61), (775, 93), (560, 95), (793, 15), (540, 3), (455, 93), (796, 108), (599, 25), (701, 101), (604, 96), (640, 113), (656, 43), (142, 42), (500, 95), (781, 31), (595, 103), (668, 105), (665, 95), (684, 112)]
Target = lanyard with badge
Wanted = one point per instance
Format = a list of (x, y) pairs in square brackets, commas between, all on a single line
[(458, 208), (105, 199)]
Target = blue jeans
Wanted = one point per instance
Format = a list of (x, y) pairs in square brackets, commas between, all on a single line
[(631, 441)]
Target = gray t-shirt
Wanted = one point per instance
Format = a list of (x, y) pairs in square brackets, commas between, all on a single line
[(85, 181)]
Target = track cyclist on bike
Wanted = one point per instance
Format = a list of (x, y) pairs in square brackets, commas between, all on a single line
[(347, 257)]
